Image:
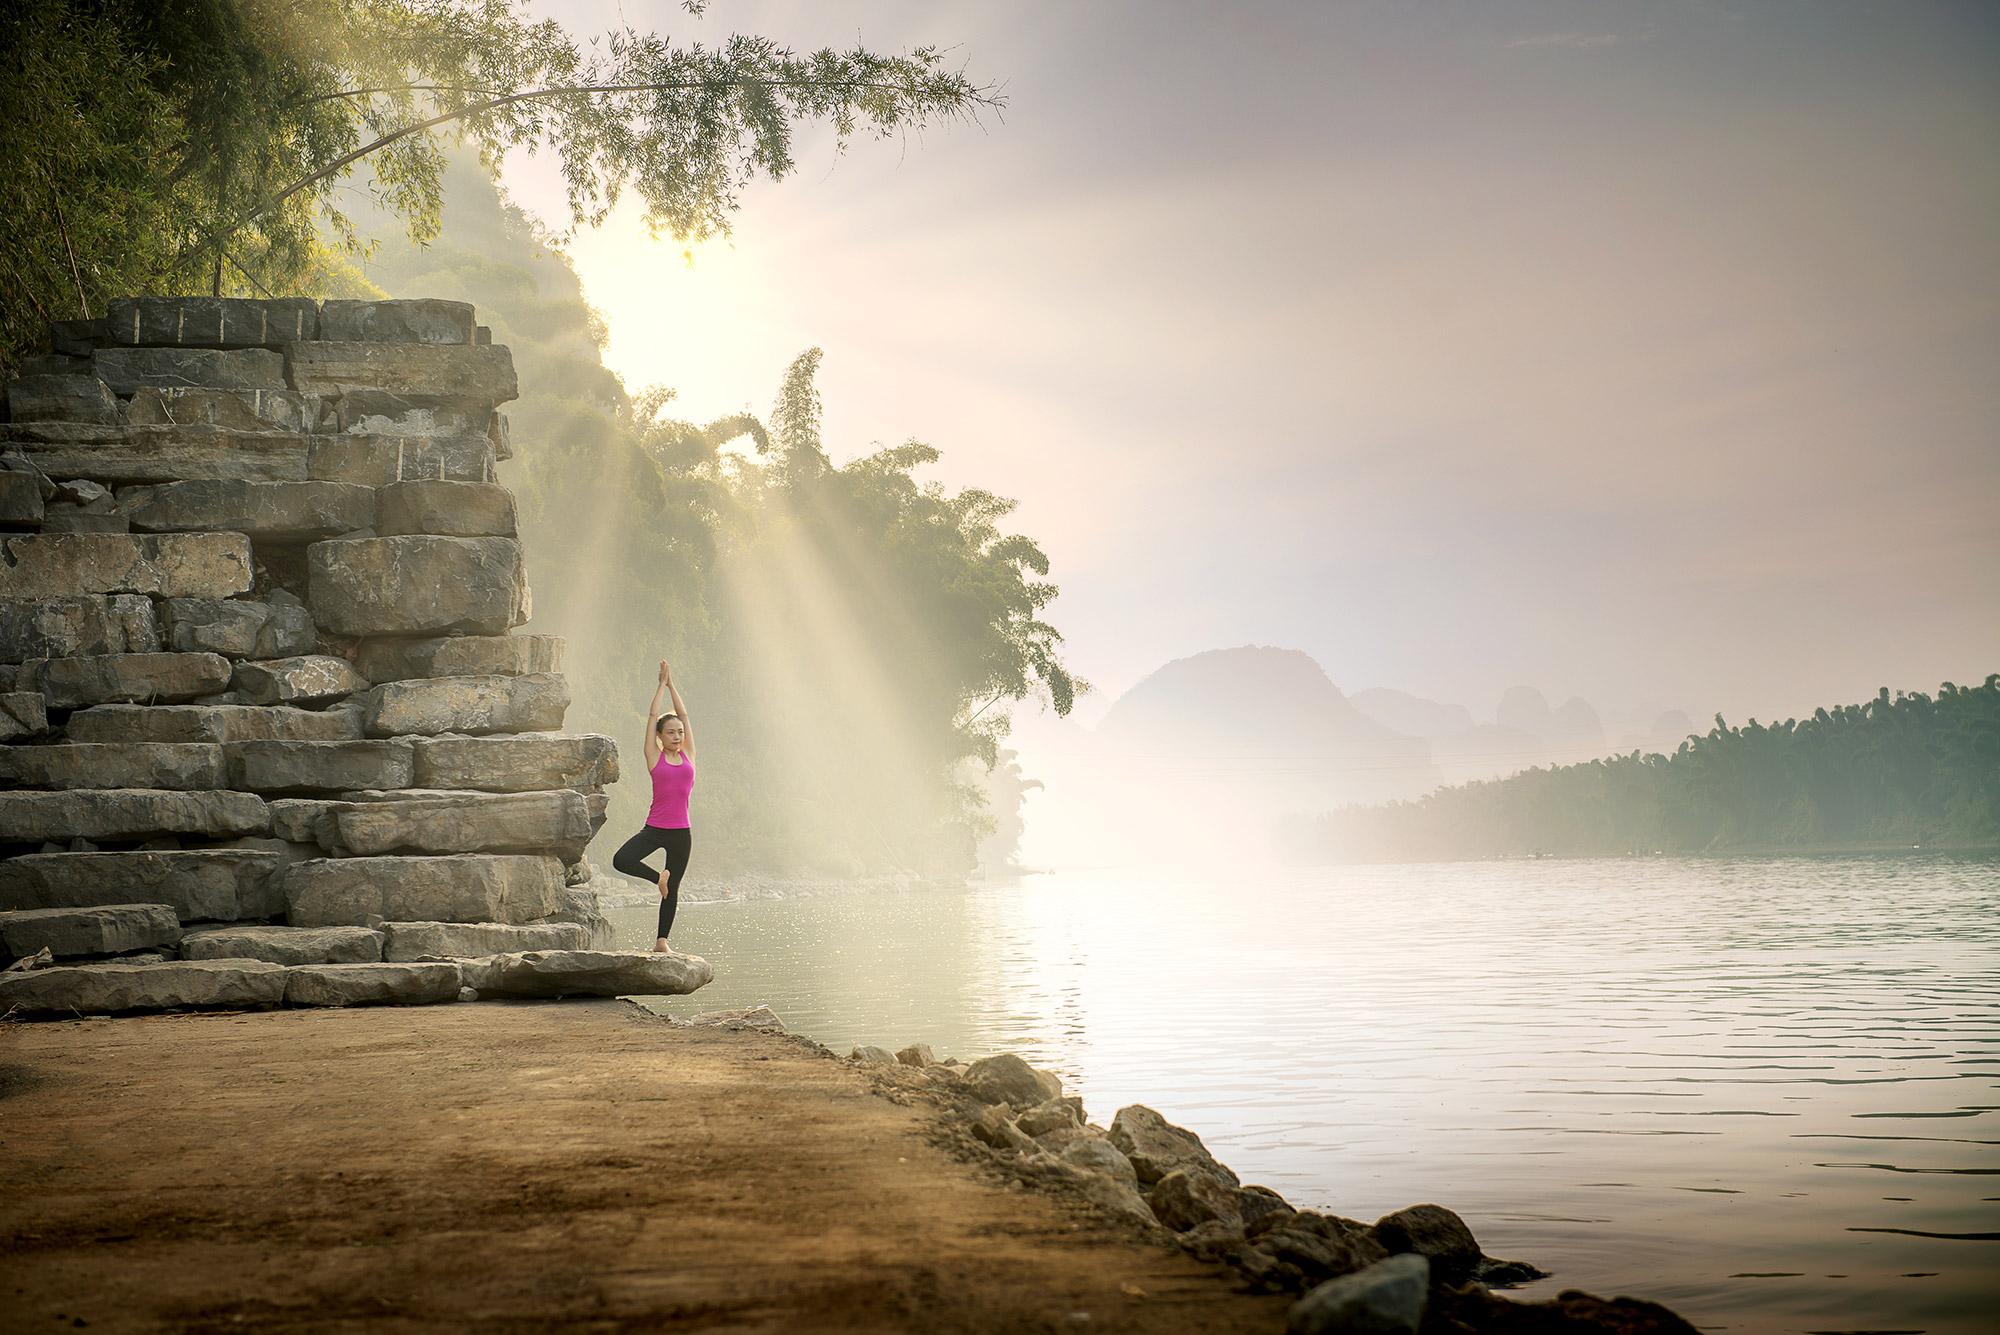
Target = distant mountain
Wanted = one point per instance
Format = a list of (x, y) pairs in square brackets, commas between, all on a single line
[(1412, 714)]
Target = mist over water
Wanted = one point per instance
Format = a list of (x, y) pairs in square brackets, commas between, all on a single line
[(1763, 1091)]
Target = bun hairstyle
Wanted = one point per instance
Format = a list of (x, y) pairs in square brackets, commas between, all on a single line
[(660, 724)]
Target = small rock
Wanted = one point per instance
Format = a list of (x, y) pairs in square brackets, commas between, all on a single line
[(917, 1054), (1157, 1147), (1435, 1233), (993, 1127), (1005, 1079), (1097, 1155), (1182, 1199), (1052, 1115), (870, 1055)]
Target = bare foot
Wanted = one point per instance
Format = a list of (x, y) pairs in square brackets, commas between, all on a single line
[(660, 947)]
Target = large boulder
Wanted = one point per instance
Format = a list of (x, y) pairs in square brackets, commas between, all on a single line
[(128, 369), (455, 509), (417, 320), (128, 814), (1006, 1079), (417, 585), (211, 322), (215, 885), (428, 706), (22, 714), (284, 767), (526, 762), (1435, 1233), (72, 683), (1157, 1147), (285, 945), (71, 626), (1182, 1199), (371, 984), (1388, 1298), (378, 461), (464, 371), (238, 628), (1095, 1154), (554, 822), (458, 656), (213, 723), (109, 989), (284, 510), (587, 973), (303, 680), (165, 565), (108, 929), (325, 892), (142, 454), (236, 409), (61, 398), (460, 940), (1315, 1246), (178, 765)]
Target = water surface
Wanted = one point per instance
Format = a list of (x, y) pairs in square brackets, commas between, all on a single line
[(1763, 1091)]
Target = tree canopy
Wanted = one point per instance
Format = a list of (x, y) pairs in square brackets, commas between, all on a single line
[(1893, 771), (210, 145)]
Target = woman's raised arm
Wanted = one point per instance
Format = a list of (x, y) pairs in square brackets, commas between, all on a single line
[(653, 718), (680, 707)]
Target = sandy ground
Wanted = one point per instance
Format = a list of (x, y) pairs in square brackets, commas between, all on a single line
[(532, 1167)]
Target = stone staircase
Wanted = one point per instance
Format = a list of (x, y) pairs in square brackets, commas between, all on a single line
[(269, 735)]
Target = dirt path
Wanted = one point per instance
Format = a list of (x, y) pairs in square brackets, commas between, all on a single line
[(565, 1166)]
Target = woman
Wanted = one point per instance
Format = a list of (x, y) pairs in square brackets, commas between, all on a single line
[(670, 760)]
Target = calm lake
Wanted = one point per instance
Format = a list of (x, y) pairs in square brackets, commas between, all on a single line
[(1763, 1091)]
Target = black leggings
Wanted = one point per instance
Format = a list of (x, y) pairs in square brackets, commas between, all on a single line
[(630, 859)]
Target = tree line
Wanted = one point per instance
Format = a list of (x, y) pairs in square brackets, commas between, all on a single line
[(1891, 772)]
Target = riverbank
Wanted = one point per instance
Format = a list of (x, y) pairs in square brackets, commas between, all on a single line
[(538, 1166)]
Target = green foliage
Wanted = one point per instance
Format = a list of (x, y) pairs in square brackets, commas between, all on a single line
[(843, 633), (206, 145), (1912, 769)]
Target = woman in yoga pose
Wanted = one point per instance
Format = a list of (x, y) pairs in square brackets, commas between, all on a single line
[(670, 760)]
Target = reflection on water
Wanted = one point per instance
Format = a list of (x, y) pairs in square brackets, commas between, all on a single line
[(1764, 1091)]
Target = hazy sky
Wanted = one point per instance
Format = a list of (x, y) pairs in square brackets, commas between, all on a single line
[(1645, 352)]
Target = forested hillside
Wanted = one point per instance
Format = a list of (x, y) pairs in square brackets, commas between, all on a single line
[(1895, 771)]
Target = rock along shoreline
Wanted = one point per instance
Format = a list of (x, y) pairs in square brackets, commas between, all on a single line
[(1416, 1270)]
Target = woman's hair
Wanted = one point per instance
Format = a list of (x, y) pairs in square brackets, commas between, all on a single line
[(660, 724)]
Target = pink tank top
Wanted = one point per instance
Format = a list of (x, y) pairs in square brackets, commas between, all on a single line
[(671, 785)]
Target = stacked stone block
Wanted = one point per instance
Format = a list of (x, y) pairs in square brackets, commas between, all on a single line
[(263, 693)]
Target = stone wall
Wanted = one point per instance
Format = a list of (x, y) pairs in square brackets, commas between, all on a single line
[(259, 669)]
